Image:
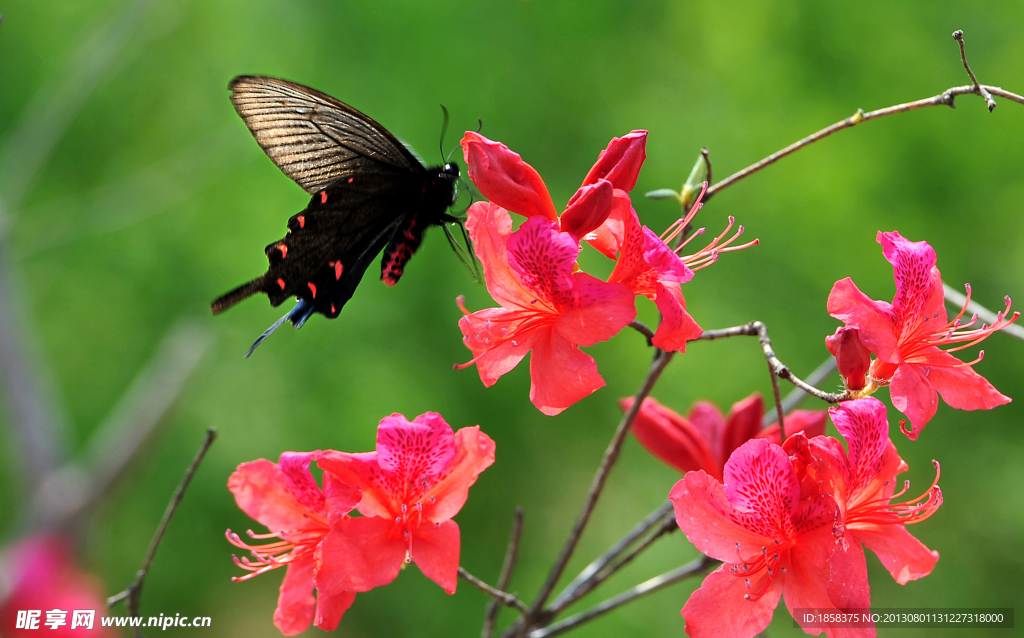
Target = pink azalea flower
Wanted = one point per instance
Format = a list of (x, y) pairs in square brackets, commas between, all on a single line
[(650, 267), (863, 484), (507, 181), (412, 486), (772, 539), (905, 337), (39, 573), (546, 307), (285, 498), (704, 439)]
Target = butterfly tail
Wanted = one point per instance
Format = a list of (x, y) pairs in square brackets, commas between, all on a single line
[(298, 315), (246, 290)]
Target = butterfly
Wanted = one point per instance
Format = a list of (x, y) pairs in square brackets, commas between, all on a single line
[(368, 192)]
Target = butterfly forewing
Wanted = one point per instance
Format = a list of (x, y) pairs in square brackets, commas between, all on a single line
[(313, 138)]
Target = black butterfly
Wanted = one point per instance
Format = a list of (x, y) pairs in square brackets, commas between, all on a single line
[(369, 191)]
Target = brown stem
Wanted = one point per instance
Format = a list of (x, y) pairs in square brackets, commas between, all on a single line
[(694, 568), (134, 591), (758, 329), (511, 553), (644, 330), (942, 99), (597, 485), (506, 598)]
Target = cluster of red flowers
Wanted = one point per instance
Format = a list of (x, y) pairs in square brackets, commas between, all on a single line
[(407, 492), (548, 305), (787, 512)]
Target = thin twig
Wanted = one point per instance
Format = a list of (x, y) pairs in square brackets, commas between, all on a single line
[(958, 35), (778, 398), (134, 591), (507, 567), (641, 528), (644, 330), (694, 568), (72, 489), (796, 395), (758, 329), (957, 299), (506, 598), (610, 456), (946, 98), (666, 525), (706, 154)]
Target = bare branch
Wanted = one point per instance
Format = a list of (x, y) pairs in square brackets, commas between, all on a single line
[(957, 299), (958, 35), (758, 329), (506, 598), (610, 456), (72, 489), (133, 593), (946, 98), (644, 330), (796, 395), (694, 568), (507, 567), (641, 528)]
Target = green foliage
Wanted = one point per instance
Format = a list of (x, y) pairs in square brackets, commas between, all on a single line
[(156, 200)]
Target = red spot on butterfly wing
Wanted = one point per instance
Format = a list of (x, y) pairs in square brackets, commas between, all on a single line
[(284, 250), (280, 282), (302, 218), (323, 200), (338, 268), (350, 180), (312, 289)]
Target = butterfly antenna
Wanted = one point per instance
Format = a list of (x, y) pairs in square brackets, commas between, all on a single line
[(444, 130), (480, 124), (466, 257), (297, 315)]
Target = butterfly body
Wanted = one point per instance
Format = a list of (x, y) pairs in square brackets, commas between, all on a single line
[(368, 193)]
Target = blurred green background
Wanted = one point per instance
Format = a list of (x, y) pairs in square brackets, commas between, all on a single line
[(155, 199)]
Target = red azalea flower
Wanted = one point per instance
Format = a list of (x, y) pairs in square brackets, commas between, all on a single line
[(285, 498), (507, 181), (863, 483), (704, 439), (905, 337), (771, 539), (39, 574), (412, 486), (651, 268), (546, 307)]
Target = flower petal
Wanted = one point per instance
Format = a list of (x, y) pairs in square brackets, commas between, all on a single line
[(489, 227), (504, 178), (295, 604), (435, 550), (848, 586), (560, 374), (810, 422), (671, 438), (266, 494), (710, 422), (807, 580), (864, 425), (497, 341), (762, 487), (608, 236), (414, 450), (359, 554), (912, 394), (705, 516), (330, 608), (596, 310), (474, 453), (743, 424), (362, 471), (874, 320), (544, 259), (664, 260), (588, 209), (341, 498), (719, 610), (677, 326), (852, 358), (919, 290), (904, 556), (964, 389), (620, 162)]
